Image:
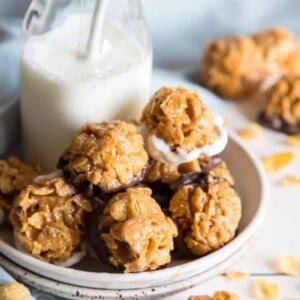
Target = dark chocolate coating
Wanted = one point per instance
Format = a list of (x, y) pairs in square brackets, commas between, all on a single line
[(94, 236), (162, 192), (91, 191), (278, 124)]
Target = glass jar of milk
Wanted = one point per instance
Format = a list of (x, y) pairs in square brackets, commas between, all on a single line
[(82, 61)]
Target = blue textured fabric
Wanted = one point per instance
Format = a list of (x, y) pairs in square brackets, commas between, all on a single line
[(5, 277)]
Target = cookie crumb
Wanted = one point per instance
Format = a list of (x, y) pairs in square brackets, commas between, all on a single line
[(265, 290), (289, 265), (293, 140), (14, 291), (219, 295), (290, 180), (251, 132), (275, 162), (236, 276)]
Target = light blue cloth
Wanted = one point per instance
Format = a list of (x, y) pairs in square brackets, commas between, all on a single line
[(5, 277)]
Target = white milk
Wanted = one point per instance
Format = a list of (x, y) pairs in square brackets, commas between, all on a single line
[(61, 91)]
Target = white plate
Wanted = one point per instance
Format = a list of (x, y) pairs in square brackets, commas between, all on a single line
[(253, 189), (68, 291)]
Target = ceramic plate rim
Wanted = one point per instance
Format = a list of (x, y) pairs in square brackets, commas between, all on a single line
[(62, 289)]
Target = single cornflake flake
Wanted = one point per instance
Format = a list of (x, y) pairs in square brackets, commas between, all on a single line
[(275, 162), (236, 276), (265, 290), (251, 133), (289, 265), (290, 180)]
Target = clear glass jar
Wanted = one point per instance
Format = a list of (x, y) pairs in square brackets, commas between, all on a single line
[(61, 89)]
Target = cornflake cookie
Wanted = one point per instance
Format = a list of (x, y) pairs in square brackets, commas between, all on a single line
[(208, 216), (105, 157), (238, 66), (282, 108), (280, 49), (220, 295), (176, 125), (136, 233), (14, 177), (14, 291), (232, 67), (49, 221)]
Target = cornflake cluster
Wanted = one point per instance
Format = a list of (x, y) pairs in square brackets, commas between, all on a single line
[(239, 66), (282, 107), (14, 177), (126, 199)]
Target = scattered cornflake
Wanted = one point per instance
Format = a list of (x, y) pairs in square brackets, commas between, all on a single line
[(289, 265), (219, 295), (265, 290), (290, 180), (235, 276), (252, 132), (273, 163), (293, 140), (200, 298)]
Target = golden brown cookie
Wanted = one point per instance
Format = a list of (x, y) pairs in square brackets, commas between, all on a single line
[(49, 220), (279, 48), (208, 216), (14, 177), (106, 156), (175, 123), (232, 67), (136, 233), (237, 67), (282, 108)]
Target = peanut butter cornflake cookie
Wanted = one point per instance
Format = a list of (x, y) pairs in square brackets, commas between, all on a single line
[(237, 67), (14, 177), (105, 157), (49, 221), (282, 108), (135, 232), (207, 215), (232, 67), (179, 128)]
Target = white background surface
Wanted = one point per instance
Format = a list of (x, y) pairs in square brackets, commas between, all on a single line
[(179, 29)]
